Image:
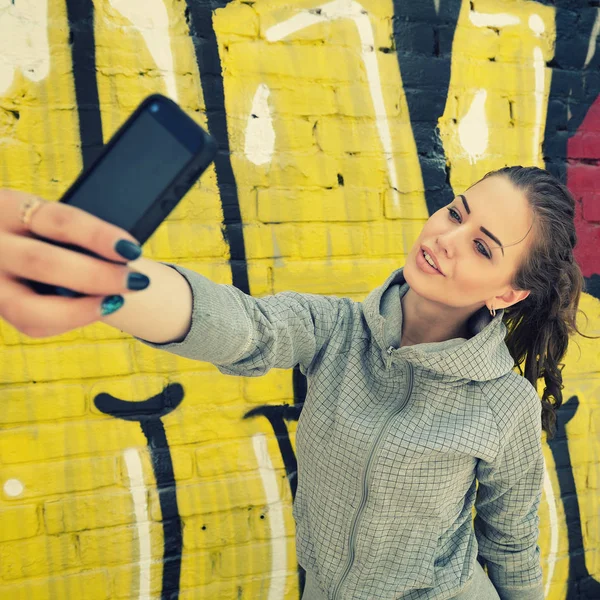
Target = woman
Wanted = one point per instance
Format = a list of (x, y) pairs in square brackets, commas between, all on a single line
[(414, 413)]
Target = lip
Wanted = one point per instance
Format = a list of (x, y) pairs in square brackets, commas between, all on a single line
[(433, 256)]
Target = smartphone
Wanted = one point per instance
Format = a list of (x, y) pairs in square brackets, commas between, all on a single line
[(142, 173)]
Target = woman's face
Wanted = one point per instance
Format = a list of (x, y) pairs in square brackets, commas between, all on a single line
[(464, 240)]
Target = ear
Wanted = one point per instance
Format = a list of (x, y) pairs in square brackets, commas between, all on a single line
[(509, 298)]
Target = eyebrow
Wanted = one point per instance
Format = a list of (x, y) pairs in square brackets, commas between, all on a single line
[(483, 229)]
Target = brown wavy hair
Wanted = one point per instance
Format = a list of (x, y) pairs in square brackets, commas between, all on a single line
[(539, 327)]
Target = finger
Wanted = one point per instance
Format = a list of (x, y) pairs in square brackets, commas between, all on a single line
[(66, 224), (44, 316), (29, 258)]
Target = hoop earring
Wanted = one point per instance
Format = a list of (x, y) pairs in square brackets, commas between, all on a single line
[(493, 311)]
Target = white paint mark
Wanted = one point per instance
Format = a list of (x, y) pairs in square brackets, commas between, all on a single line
[(348, 9), (436, 3), (536, 24), (278, 539), (260, 135), (593, 38), (539, 64), (495, 20), (553, 517), (151, 19), (23, 41), (13, 488), (473, 130), (137, 487)]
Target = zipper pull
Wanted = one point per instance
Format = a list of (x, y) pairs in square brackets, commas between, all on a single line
[(390, 350)]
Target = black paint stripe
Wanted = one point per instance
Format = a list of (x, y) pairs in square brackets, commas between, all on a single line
[(80, 14), (423, 38), (164, 474), (580, 586), (148, 413), (211, 77)]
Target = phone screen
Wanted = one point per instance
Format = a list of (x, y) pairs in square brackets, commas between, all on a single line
[(129, 178)]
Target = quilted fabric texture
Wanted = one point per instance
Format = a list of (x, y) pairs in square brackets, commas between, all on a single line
[(392, 441)]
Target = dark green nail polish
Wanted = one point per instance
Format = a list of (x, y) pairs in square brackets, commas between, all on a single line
[(111, 304), (128, 249), (137, 281)]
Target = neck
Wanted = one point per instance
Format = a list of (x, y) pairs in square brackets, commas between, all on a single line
[(424, 321)]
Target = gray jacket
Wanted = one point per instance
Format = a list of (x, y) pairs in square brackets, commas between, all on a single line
[(392, 441)]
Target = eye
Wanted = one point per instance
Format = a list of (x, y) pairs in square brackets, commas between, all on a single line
[(455, 215), (482, 249)]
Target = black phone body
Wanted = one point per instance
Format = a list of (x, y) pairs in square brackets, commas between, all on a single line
[(145, 169), (141, 174)]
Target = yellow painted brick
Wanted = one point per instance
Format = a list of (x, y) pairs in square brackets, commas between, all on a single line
[(38, 556), (312, 63), (324, 240), (318, 204), (201, 203), (47, 478), (41, 402), (188, 239), (338, 278), (292, 169), (112, 544), (392, 238), (271, 240), (233, 457), (340, 135), (77, 512), (91, 585), (593, 476), (209, 387), (216, 530), (239, 19), (260, 518), (246, 588), (76, 361), (592, 531), (225, 493), (275, 385), (250, 558), (315, 99), (292, 133), (67, 438), (183, 464), (197, 568), (17, 522), (477, 42), (354, 100)]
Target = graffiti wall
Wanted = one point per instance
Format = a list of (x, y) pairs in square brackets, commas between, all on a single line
[(130, 473)]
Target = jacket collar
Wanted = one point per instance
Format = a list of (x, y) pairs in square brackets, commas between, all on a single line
[(482, 357)]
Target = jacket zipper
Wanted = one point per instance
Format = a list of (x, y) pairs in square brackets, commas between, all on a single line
[(365, 482)]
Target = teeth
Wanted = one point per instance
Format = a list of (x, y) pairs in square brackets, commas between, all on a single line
[(429, 259)]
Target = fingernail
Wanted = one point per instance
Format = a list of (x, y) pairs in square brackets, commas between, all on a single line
[(137, 281), (111, 304), (127, 249)]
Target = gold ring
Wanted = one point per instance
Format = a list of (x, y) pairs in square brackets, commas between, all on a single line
[(28, 208)]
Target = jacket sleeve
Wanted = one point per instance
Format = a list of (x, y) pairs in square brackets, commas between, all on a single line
[(247, 336), (508, 498)]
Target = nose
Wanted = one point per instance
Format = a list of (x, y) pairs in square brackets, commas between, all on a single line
[(445, 244)]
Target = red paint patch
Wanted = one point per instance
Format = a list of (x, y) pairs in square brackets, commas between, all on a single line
[(583, 179)]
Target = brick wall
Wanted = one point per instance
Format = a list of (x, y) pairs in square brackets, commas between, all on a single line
[(343, 126)]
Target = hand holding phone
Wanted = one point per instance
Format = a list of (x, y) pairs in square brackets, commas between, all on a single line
[(77, 244), (143, 172)]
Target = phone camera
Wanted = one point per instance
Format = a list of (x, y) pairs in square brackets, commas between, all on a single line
[(154, 107)]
